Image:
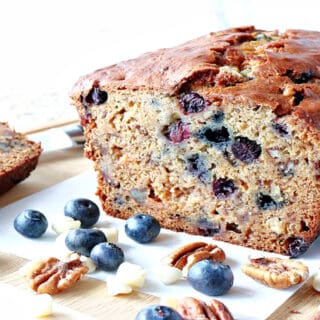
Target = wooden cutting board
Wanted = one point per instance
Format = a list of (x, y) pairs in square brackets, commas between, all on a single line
[(89, 296)]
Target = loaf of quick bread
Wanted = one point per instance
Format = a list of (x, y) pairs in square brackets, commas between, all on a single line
[(219, 136), (18, 157)]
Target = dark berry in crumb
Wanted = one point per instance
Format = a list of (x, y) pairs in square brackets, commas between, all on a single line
[(297, 246), (158, 312), (83, 240), (207, 228), (245, 149), (222, 187), (196, 166), (265, 202), (219, 135), (83, 210), (281, 129), (107, 256), (177, 132), (218, 116), (31, 223), (300, 78), (142, 228), (192, 102), (297, 98), (210, 277), (95, 96)]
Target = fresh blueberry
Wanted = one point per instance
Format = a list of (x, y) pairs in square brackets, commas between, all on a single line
[(95, 96), (265, 201), (107, 256), (157, 312), (31, 223), (142, 228), (83, 240), (222, 188), (177, 132), (210, 277), (192, 102), (245, 149), (297, 246), (197, 167), (83, 210)]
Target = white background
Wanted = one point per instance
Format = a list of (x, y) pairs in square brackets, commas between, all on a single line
[(46, 45)]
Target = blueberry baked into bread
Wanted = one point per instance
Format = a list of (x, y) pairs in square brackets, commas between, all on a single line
[(218, 136), (18, 157)]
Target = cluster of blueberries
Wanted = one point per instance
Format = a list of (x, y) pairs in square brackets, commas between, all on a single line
[(207, 276)]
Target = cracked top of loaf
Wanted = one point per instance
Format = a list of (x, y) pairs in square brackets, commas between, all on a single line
[(239, 65)]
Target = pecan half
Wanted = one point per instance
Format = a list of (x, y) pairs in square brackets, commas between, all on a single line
[(191, 309), (53, 275), (186, 256), (276, 272)]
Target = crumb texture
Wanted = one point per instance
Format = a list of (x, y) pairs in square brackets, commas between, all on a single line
[(218, 137), (18, 157)]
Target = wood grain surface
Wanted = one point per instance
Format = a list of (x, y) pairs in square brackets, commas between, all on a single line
[(89, 296)]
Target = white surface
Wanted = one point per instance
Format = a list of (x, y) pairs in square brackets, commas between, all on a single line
[(47, 45), (246, 299), (52, 139)]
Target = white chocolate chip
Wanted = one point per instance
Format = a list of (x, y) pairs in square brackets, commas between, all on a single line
[(115, 287), (111, 234), (169, 302), (40, 305), (316, 281), (169, 275), (131, 274), (64, 223), (88, 263)]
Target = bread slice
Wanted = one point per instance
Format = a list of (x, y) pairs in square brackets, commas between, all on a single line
[(18, 157), (218, 136)]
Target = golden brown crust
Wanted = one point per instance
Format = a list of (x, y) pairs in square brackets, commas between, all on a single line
[(290, 57), (167, 69), (18, 157)]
